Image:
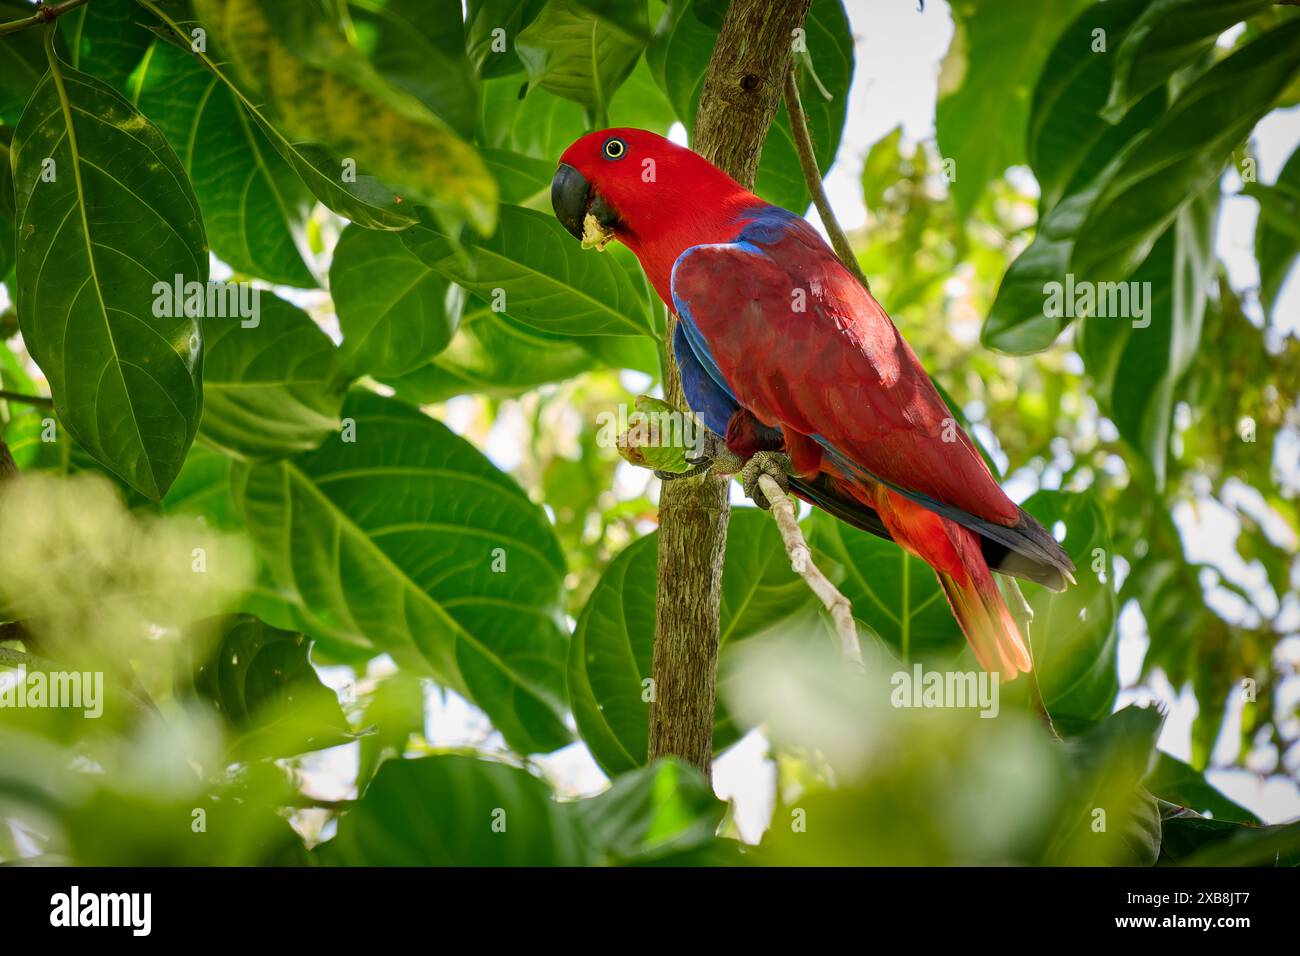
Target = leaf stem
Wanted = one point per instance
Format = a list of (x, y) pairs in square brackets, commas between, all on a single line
[(44, 14), (813, 177), (41, 401)]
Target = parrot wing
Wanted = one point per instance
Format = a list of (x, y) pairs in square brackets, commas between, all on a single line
[(778, 322)]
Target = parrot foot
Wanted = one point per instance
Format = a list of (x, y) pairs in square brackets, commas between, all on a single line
[(715, 454), (770, 463)]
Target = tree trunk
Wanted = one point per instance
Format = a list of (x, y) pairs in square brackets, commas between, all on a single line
[(740, 96)]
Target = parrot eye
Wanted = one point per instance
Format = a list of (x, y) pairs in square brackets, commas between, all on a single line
[(614, 148)]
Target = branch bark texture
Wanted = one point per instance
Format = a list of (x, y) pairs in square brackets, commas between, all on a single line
[(739, 100)]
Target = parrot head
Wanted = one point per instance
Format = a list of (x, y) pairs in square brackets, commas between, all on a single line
[(652, 195)]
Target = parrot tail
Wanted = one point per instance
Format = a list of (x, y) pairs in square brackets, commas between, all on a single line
[(989, 627), (954, 553)]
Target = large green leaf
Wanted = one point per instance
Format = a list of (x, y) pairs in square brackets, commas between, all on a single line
[(272, 388), (581, 55), (1069, 142), (1179, 783), (892, 592), (365, 200), (613, 645), (1107, 818), (491, 355), (254, 207), (985, 87), (482, 21), (106, 39), (261, 682), (451, 810), (1168, 35), (531, 122), (1073, 634), (419, 46), (1136, 369), (1184, 152), (541, 276), (22, 61), (399, 536), (296, 59), (395, 312), (1276, 247), (653, 814), (118, 217)]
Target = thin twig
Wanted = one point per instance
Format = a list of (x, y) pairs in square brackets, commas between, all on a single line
[(787, 522), (40, 401), (45, 13), (813, 177)]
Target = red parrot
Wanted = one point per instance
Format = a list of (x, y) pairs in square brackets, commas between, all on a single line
[(781, 349)]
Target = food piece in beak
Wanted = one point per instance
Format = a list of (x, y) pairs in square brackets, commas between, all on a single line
[(595, 234)]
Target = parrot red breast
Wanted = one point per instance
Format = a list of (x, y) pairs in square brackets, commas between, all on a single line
[(781, 348)]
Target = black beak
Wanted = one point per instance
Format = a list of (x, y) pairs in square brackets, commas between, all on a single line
[(572, 198), (569, 194)]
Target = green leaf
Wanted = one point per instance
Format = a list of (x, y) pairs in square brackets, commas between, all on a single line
[(530, 122), (523, 180), (22, 61), (483, 18), (399, 536), (419, 47), (1107, 818), (1069, 142), (490, 355), (986, 83), (261, 681), (294, 59), (118, 217), (365, 201), (394, 713), (535, 272), (653, 814), (1204, 843), (272, 388), (1276, 248), (254, 207), (577, 54), (395, 312), (612, 648), (1179, 783), (895, 594), (1137, 367), (1167, 36), (879, 169), (1074, 638), (106, 39), (451, 810), (1183, 154)]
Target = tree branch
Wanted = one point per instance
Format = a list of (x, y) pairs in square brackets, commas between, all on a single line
[(787, 522), (39, 401), (813, 177), (739, 100), (45, 13)]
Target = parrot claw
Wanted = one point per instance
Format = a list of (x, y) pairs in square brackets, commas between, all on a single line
[(714, 454), (770, 463)]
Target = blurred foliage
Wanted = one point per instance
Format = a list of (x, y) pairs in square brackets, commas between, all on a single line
[(406, 476)]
